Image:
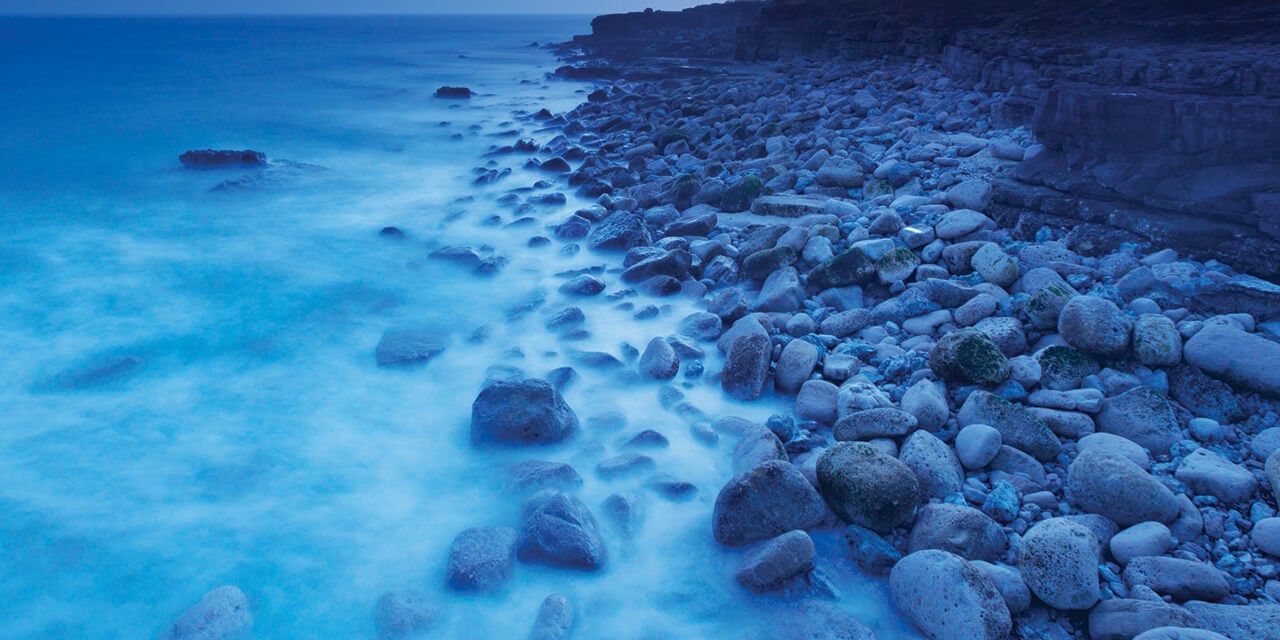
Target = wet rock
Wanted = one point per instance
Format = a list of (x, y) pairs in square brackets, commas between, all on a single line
[(817, 401), (1017, 427), (795, 365), (1111, 485), (559, 530), (583, 286), (813, 620), (1204, 396), (948, 598), (977, 445), (519, 412), (774, 562), (1142, 539), (757, 446), (1142, 415), (1181, 579), (1012, 588), (532, 476), (850, 267), (935, 465), (401, 615), (453, 92), (222, 614), (881, 422), (621, 231), (481, 559), (962, 222), (555, 619), (1266, 535), (624, 512), (746, 367), (927, 401), (872, 553), (765, 502), (409, 347), (1058, 559), (1063, 368), (970, 356), (957, 529), (627, 465), (866, 487), (659, 361), (972, 194), (1095, 325), (1118, 445)]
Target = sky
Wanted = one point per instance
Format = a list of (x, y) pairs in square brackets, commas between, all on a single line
[(125, 7)]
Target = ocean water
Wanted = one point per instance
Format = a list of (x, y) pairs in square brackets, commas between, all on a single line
[(190, 398)]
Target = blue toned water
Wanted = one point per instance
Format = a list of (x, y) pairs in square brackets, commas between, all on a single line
[(189, 396)]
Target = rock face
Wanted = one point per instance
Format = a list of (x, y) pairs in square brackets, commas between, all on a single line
[(765, 502), (947, 598), (222, 614), (222, 158), (559, 530), (518, 412), (1059, 562), (866, 487)]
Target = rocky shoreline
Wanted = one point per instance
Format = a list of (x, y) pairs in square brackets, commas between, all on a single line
[(1032, 438), (1029, 433)]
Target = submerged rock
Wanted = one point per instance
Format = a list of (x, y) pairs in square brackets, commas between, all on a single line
[(221, 158), (453, 92), (765, 502), (222, 614), (515, 412), (555, 619), (481, 558), (403, 615), (559, 530), (776, 561), (409, 347)]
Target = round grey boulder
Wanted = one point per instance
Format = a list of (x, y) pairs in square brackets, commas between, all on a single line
[(948, 598), (866, 487), (1058, 559), (1142, 539), (934, 464), (1095, 325), (1111, 485), (1142, 415), (977, 445), (519, 412)]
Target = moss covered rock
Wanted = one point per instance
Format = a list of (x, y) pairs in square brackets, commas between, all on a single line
[(968, 355)]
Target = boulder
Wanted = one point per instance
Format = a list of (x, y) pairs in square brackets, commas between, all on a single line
[(1178, 578), (958, 529), (1122, 619), (1111, 485), (1142, 539), (222, 614), (555, 619), (746, 367), (969, 355), (934, 464), (977, 445), (1224, 350), (1058, 559), (1017, 427), (222, 158), (659, 361), (1142, 415), (765, 502), (948, 598), (480, 559), (559, 530), (1156, 341), (1207, 473), (1238, 621), (1095, 325), (880, 422), (776, 561), (795, 365), (516, 412), (866, 487), (621, 231)]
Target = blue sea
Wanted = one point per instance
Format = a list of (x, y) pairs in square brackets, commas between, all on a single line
[(189, 396)]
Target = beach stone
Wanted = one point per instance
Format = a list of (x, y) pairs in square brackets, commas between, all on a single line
[(935, 465), (409, 347), (1266, 536), (817, 401), (813, 620), (927, 401), (757, 446), (958, 529), (1156, 341), (1119, 445), (1006, 333), (1095, 325), (559, 530), (860, 395), (1265, 443), (994, 265), (624, 512), (765, 502), (1258, 622), (969, 355), (795, 365), (1002, 502), (1178, 578), (555, 619), (1273, 473), (401, 615), (1058, 559), (1142, 415), (1207, 473), (481, 558), (1111, 485), (1017, 427), (746, 367), (1142, 539), (531, 476), (1123, 618), (872, 553), (974, 193), (781, 292), (1204, 396), (1064, 368), (626, 465), (1012, 588), (583, 286), (845, 323), (1065, 424), (1224, 350), (948, 598), (866, 487), (961, 222), (852, 266), (977, 445), (769, 565), (976, 309), (659, 361), (221, 614), (879, 422), (516, 412), (621, 231), (1179, 633)]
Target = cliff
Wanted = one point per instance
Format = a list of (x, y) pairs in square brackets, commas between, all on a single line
[(1157, 119)]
